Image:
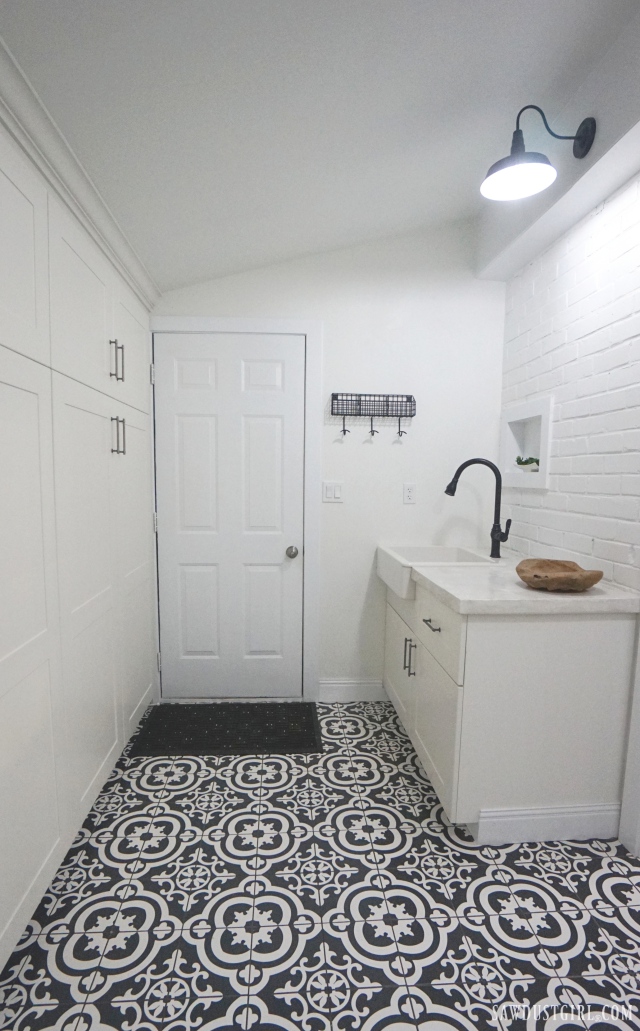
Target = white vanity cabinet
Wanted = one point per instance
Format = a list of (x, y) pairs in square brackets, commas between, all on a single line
[(520, 720)]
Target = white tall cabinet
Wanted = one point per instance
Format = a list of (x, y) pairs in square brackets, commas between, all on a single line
[(77, 548)]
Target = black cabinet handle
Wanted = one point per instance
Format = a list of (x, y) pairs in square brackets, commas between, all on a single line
[(436, 629), (404, 661)]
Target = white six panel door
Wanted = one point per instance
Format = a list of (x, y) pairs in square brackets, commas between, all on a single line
[(229, 476)]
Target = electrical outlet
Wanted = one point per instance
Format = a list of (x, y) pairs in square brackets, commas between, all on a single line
[(409, 491), (332, 492)]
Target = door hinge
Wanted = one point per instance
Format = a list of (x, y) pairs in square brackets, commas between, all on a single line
[(155, 522), (159, 662), (152, 372)]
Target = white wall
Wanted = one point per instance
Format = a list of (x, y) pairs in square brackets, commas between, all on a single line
[(400, 316), (573, 331)]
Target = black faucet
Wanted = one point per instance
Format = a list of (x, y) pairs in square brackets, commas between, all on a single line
[(497, 536)]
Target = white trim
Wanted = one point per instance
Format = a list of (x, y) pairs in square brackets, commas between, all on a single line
[(30, 125), (352, 691), (547, 823), (313, 424)]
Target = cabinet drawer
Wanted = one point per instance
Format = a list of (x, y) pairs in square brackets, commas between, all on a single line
[(442, 631), (436, 727)]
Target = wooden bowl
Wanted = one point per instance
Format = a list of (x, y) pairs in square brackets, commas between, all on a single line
[(547, 574)]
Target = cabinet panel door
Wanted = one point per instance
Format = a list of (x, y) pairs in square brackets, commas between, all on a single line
[(131, 331), (83, 439), (135, 557), (81, 281), (32, 807), (24, 295), (398, 683), (438, 712)]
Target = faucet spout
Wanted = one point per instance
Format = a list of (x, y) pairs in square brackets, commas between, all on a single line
[(498, 535)]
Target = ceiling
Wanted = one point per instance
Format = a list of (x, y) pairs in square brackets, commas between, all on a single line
[(229, 134)]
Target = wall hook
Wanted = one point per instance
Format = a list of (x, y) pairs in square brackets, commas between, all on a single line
[(372, 431), (344, 429), (401, 432)]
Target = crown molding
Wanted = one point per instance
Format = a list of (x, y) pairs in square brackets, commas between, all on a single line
[(25, 118)]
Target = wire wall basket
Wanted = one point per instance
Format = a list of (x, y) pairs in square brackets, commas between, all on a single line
[(380, 406), (374, 406)]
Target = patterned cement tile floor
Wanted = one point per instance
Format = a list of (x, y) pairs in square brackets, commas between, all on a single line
[(317, 892)]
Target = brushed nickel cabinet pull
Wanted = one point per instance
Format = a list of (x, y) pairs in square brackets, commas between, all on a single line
[(117, 450), (119, 361), (410, 672)]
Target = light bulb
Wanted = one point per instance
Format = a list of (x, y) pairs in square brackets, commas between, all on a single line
[(521, 175)]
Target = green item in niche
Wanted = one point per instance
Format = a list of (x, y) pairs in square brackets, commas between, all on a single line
[(527, 461)]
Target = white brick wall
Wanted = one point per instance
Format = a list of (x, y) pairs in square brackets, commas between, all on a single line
[(573, 331)]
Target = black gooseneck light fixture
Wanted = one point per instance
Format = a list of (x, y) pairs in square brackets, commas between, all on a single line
[(523, 172)]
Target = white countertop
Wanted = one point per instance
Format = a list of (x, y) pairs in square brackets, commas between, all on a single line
[(496, 589)]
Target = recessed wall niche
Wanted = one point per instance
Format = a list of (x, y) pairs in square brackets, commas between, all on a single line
[(525, 432)]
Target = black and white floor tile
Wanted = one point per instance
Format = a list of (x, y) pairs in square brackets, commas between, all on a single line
[(323, 892)]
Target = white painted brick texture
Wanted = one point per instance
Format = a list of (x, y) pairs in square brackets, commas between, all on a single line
[(572, 330)]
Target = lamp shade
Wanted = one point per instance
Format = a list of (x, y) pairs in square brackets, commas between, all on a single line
[(522, 174)]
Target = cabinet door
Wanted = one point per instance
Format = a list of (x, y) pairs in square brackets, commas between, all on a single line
[(32, 811), (84, 473), (24, 295), (398, 684), (80, 286), (133, 341), (135, 568), (436, 728)]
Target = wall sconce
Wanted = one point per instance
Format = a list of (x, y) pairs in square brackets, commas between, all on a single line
[(524, 173)]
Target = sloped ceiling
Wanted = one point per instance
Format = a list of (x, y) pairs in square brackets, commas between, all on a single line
[(230, 134)]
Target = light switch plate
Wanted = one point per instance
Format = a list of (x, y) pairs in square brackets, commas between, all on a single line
[(332, 493)]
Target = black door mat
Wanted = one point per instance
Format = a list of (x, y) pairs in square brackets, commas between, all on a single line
[(229, 728)]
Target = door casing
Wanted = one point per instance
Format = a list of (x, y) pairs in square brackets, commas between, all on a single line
[(312, 493)]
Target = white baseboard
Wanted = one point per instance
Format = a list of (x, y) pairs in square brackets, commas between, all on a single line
[(549, 823), (352, 691)]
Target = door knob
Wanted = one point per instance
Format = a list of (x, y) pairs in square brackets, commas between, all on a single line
[(291, 551)]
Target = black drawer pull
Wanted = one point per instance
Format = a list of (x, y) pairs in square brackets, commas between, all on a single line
[(436, 629)]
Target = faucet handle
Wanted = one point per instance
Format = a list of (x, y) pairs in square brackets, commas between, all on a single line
[(498, 534)]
